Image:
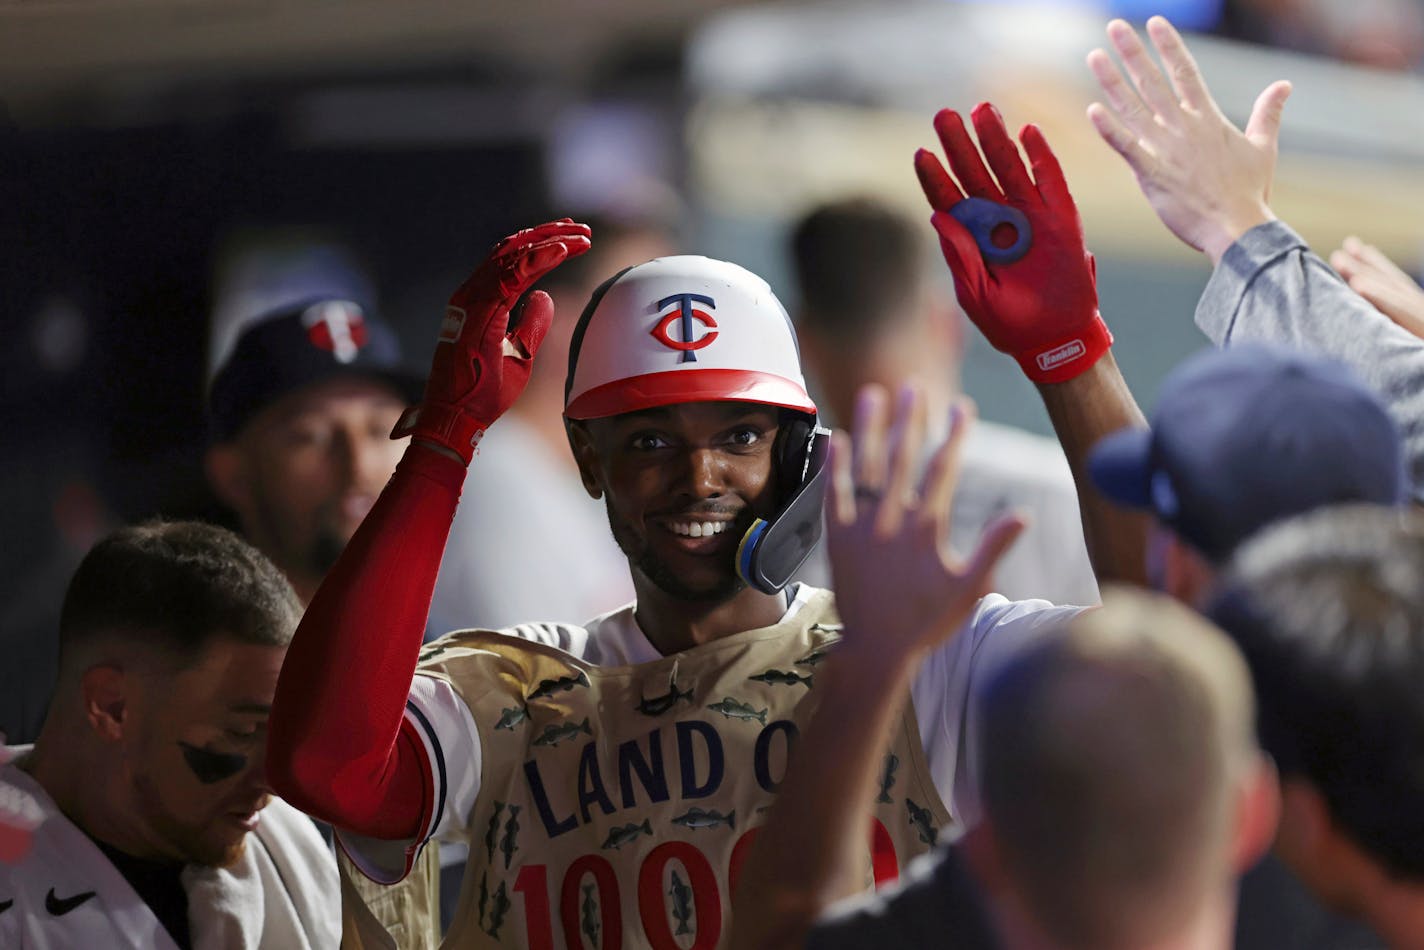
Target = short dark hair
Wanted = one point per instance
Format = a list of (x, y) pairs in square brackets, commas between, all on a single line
[(174, 585), (858, 263), (1329, 610)]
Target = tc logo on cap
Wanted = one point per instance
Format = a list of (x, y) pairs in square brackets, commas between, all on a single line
[(684, 315), (336, 326)]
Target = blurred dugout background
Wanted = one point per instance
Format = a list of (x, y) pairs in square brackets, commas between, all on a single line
[(165, 160)]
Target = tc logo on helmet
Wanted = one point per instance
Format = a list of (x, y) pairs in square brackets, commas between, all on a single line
[(684, 315)]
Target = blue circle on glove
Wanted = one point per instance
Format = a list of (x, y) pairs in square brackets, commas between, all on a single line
[(980, 217)]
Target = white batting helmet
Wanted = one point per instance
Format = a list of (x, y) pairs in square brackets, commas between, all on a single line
[(683, 329)]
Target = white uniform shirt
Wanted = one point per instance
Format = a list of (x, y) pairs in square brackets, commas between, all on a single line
[(1003, 469), (942, 692), (282, 893)]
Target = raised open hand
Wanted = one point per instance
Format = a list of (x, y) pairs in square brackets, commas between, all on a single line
[(1041, 307), (899, 589), (1208, 181)]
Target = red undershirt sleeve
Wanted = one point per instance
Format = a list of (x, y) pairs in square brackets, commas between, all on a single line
[(337, 745)]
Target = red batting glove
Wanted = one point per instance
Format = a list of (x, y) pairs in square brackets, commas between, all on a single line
[(1042, 309), (480, 365)]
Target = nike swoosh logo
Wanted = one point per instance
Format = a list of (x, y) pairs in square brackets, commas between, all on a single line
[(59, 906)]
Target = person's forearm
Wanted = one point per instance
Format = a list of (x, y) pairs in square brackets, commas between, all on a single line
[(809, 854), (1084, 410), (333, 749), (1270, 287)]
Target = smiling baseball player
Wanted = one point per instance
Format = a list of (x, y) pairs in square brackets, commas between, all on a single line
[(608, 778)]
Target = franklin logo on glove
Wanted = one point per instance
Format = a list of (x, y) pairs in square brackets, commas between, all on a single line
[(1063, 354)]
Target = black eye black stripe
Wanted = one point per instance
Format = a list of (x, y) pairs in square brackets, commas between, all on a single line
[(212, 767)]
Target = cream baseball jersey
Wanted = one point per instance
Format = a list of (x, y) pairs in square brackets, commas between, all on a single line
[(609, 794)]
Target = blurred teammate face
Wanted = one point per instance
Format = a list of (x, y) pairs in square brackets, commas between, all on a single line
[(194, 744), (306, 470), (682, 484)]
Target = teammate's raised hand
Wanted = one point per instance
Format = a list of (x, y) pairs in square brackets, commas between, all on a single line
[(1041, 308), (1208, 181), (899, 589), (482, 362)]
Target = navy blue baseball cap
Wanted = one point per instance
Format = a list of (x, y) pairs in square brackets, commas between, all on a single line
[(1246, 436), (298, 346)]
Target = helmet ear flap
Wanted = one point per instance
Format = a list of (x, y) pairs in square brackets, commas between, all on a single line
[(792, 451), (774, 548)]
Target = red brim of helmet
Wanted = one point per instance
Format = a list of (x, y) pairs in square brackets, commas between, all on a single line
[(689, 385)]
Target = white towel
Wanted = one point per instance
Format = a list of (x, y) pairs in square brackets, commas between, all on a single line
[(282, 893)]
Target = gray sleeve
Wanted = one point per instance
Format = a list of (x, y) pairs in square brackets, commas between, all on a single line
[(1270, 287)]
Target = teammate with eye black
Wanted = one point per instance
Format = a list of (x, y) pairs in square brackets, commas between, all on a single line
[(144, 806)]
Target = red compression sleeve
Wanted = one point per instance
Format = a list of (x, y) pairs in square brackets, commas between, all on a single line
[(336, 747)]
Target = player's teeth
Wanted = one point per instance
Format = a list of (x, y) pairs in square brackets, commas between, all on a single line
[(699, 529)]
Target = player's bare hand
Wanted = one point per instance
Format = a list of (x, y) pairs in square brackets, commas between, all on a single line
[(485, 348), (899, 590), (1208, 181), (1380, 280)]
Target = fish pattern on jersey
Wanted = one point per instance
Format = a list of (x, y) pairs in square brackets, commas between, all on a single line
[(734, 709), (688, 753)]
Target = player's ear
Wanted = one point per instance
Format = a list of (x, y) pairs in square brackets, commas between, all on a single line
[(102, 690), (586, 455), (946, 322), (1258, 813), (227, 474)]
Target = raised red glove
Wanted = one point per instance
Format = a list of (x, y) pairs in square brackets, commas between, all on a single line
[(1042, 309), (480, 365)]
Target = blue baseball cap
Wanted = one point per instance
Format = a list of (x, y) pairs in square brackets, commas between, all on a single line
[(298, 346), (1245, 436)]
